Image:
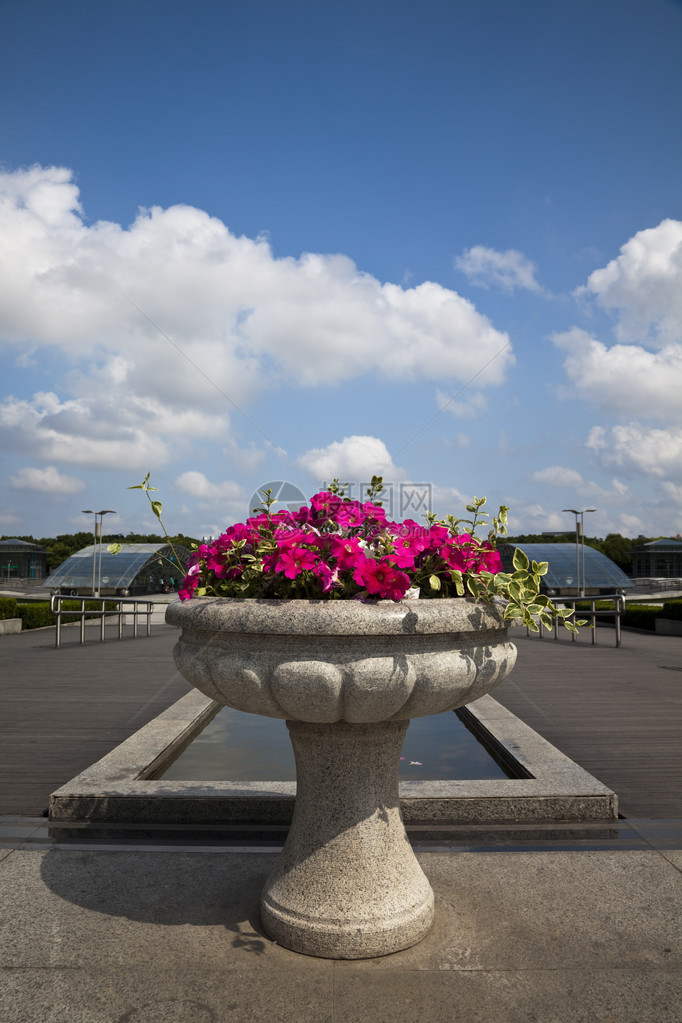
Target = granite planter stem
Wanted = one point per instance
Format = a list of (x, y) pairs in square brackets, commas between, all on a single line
[(347, 884), (347, 676)]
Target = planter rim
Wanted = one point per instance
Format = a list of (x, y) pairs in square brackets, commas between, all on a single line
[(335, 617)]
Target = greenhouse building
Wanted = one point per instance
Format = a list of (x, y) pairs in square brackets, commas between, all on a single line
[(137, 570), (564, 576), (22, 560)]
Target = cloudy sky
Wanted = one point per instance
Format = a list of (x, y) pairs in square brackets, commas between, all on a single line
[(250, 242)]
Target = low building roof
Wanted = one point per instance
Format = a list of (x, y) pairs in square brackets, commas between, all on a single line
[(659, 543), (16, 543)]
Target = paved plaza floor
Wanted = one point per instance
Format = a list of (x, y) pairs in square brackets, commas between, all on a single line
[(563, 923)]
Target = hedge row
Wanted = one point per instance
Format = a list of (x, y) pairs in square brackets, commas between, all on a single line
[(8, 608), (37, 615), (672, 609), (638, 616)]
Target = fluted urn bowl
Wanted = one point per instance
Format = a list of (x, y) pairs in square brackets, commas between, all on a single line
[(347, 676)]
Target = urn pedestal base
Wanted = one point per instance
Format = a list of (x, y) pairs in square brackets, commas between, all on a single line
[(347, 675), (347, 884)]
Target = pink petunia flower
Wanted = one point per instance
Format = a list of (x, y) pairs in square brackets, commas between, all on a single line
[(189, 583), (381, 579), (347, 552), (294, 560)]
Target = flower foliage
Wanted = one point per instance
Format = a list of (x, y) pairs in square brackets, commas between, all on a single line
[(336, 548)]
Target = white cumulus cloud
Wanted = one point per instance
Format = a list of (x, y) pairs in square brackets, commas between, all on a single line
[(506, 270), (531, 517), (199, 486), (643, 286), (558, 476), (588, 490), (637, 448), (472, 406), (226, 502), (78, 433), (624, 379), (106, 427), (673, 493), (243, 318), (353, 459), (46, 481)]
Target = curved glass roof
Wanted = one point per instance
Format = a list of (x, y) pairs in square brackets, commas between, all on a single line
[(600, 571), (117, 570)]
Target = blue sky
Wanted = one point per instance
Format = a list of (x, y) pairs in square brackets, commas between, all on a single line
[(249, 242)]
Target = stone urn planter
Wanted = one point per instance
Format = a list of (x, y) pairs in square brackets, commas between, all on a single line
[(347, 676)]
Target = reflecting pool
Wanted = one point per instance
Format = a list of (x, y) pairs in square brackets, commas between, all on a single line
[(235, 746)]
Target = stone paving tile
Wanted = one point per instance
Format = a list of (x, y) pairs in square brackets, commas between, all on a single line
[(531, 996), (550, 910), (83, 908), (140, 937), (166, 994), (673, 856)]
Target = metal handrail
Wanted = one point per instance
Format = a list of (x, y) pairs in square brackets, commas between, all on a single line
[(618, 609), (103, 613)]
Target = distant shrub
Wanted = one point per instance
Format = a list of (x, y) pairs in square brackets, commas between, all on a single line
[(672, 609), (8, 608), (93, 606), (35, 615), (599, 605), (635, 616), (639, 616)]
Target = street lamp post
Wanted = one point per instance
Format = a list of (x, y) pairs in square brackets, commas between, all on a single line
[(579, 540), (95, 535), (89, 511)]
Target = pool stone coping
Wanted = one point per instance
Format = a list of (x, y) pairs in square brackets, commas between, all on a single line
[(125, 787)]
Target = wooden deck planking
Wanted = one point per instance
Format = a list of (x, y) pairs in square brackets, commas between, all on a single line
[(616, 712), (62, 710)]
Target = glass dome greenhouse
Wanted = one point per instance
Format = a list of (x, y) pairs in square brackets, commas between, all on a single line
[(601, 574), (138, 569)]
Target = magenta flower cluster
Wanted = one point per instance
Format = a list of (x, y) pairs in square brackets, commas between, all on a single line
[(337, 548)]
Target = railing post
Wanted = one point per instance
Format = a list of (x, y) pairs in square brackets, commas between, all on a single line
[(619, 608), (55, 608), (57, 599)]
